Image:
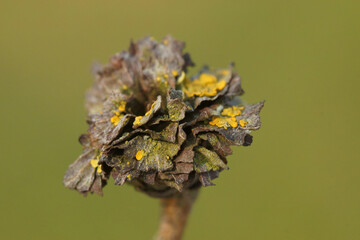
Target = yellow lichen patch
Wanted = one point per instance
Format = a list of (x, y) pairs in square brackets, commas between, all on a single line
[(206, 85), (232, 121), (220, 85), (219, 121), (122, 106), (232, 111), (140, 154), (150, 110), (224, 122), (243, 123), (115, 119), (181, 77), (94, 163), (116, 113), (137, 120), (175, 73), (206, 78)]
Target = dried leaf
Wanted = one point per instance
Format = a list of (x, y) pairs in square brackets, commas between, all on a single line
[(206, 161), (157, 154), (80, 174), (141, 120)]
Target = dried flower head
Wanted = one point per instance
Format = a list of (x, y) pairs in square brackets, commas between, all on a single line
[(156, 128)]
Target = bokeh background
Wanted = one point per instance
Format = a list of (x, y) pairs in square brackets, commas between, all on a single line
[(298, 181)]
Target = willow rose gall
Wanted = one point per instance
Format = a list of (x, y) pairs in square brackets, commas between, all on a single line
[(156, 128)]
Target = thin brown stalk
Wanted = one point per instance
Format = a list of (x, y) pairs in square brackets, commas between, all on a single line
[(175, 212)]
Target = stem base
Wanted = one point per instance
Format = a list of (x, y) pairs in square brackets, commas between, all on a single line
[(175, 212)]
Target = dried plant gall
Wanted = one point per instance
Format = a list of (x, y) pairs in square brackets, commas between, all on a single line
[(157, 128)]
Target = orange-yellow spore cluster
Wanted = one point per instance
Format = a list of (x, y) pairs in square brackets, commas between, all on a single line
[(140, 154), (137, 120), (118, 113), (232, 111), (95, 163), (150, 110), (243, 123), (122, 106), (228, 118), (206, 85), (116, 118), (175, 73), (224, 121)]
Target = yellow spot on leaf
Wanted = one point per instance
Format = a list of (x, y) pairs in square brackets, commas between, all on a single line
[(94, 163), (140, 154), (243, 123), (122, 106), (219, 121), (232, 121), (175, 73), (205, 85), (220, 85), (182, 77), (115, 119), (232, 111), (150, 110), (224, 122), (137, 120), (206, 78)]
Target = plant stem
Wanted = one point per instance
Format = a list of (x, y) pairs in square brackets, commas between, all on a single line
[(175, 212)]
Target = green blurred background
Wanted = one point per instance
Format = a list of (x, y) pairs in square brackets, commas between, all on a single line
[(298, 181)]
